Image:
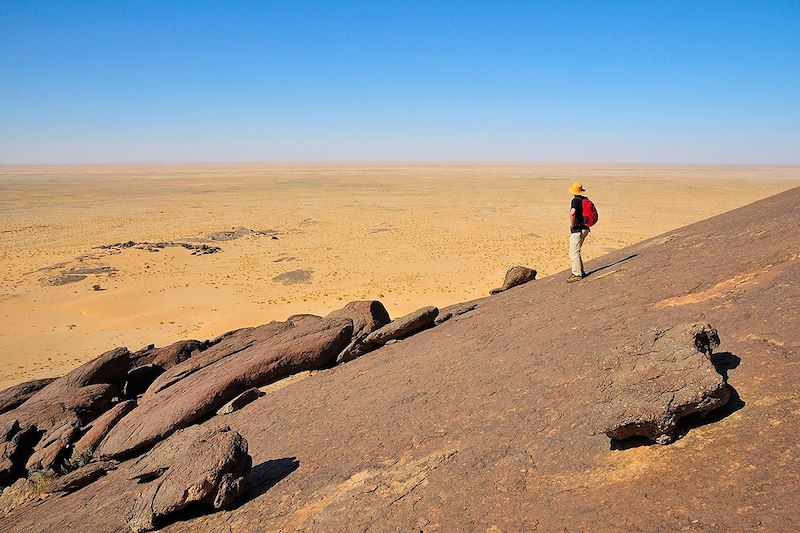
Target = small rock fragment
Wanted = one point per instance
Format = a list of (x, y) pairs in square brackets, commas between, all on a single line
[(240, 401)]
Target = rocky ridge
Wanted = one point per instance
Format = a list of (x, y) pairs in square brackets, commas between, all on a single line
[(531, 408)]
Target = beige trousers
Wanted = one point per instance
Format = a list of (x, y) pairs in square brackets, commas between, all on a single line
[(575, 243)]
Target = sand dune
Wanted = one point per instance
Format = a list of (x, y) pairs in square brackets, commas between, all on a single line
[(204, 249)]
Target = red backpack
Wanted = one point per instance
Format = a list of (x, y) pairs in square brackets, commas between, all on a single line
[(589, 213)]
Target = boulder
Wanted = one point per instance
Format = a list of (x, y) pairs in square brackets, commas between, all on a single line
[(453, 311), (15, 396), (225, 345), (195, 466), (42, 429), (167, 356), (657, 380), (140, 378), (516, 275), (101, 426), (252, 362), (79, 478), (403, 326), (240, 401), (367, 316)]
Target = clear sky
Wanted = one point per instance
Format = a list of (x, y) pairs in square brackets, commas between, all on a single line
[(435, 80)]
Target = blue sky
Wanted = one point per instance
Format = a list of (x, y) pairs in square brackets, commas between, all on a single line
[(159, 81)]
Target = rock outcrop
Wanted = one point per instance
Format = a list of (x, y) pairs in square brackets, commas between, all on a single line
[(194, 466), (13, 397), (490, 422), (39, 433), (252, 359), (515, 276), (663, 377), (228, 344)]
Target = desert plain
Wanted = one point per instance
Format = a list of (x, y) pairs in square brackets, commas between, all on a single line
[(94, 257)]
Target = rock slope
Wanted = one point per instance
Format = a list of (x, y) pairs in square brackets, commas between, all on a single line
[(493, 418)]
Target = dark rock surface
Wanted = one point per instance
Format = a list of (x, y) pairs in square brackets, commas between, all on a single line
[(654, 382), (515, 276), (15, 396), (140, 378), (487, 423), (249, 361), (248, 396), (403, 327), (194, 466)]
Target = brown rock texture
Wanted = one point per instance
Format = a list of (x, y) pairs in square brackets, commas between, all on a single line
[(195, 465), (487, 422), (367, 316), (15, 396), (453, 311), (515, 276), (50, 420), (661, 378), (403, 327), (167, 356), (250, 360), (79, 478), (100, 427), (228, 344)]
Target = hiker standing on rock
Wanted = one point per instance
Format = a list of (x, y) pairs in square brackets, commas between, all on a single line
[(582, 215)]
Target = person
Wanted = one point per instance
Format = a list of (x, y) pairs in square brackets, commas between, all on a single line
[(578, 232)]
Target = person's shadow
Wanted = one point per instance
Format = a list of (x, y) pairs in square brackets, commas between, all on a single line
[(610, 265)]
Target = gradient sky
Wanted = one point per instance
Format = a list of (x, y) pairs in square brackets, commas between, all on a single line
[(616, 81)]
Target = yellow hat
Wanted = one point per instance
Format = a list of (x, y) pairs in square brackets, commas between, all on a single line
[(576, 188)]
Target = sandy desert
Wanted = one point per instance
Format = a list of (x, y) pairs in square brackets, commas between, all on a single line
[(95, 257)]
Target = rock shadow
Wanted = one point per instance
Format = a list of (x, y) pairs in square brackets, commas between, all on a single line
[(724, 361), (615, 263), (266, 475)]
